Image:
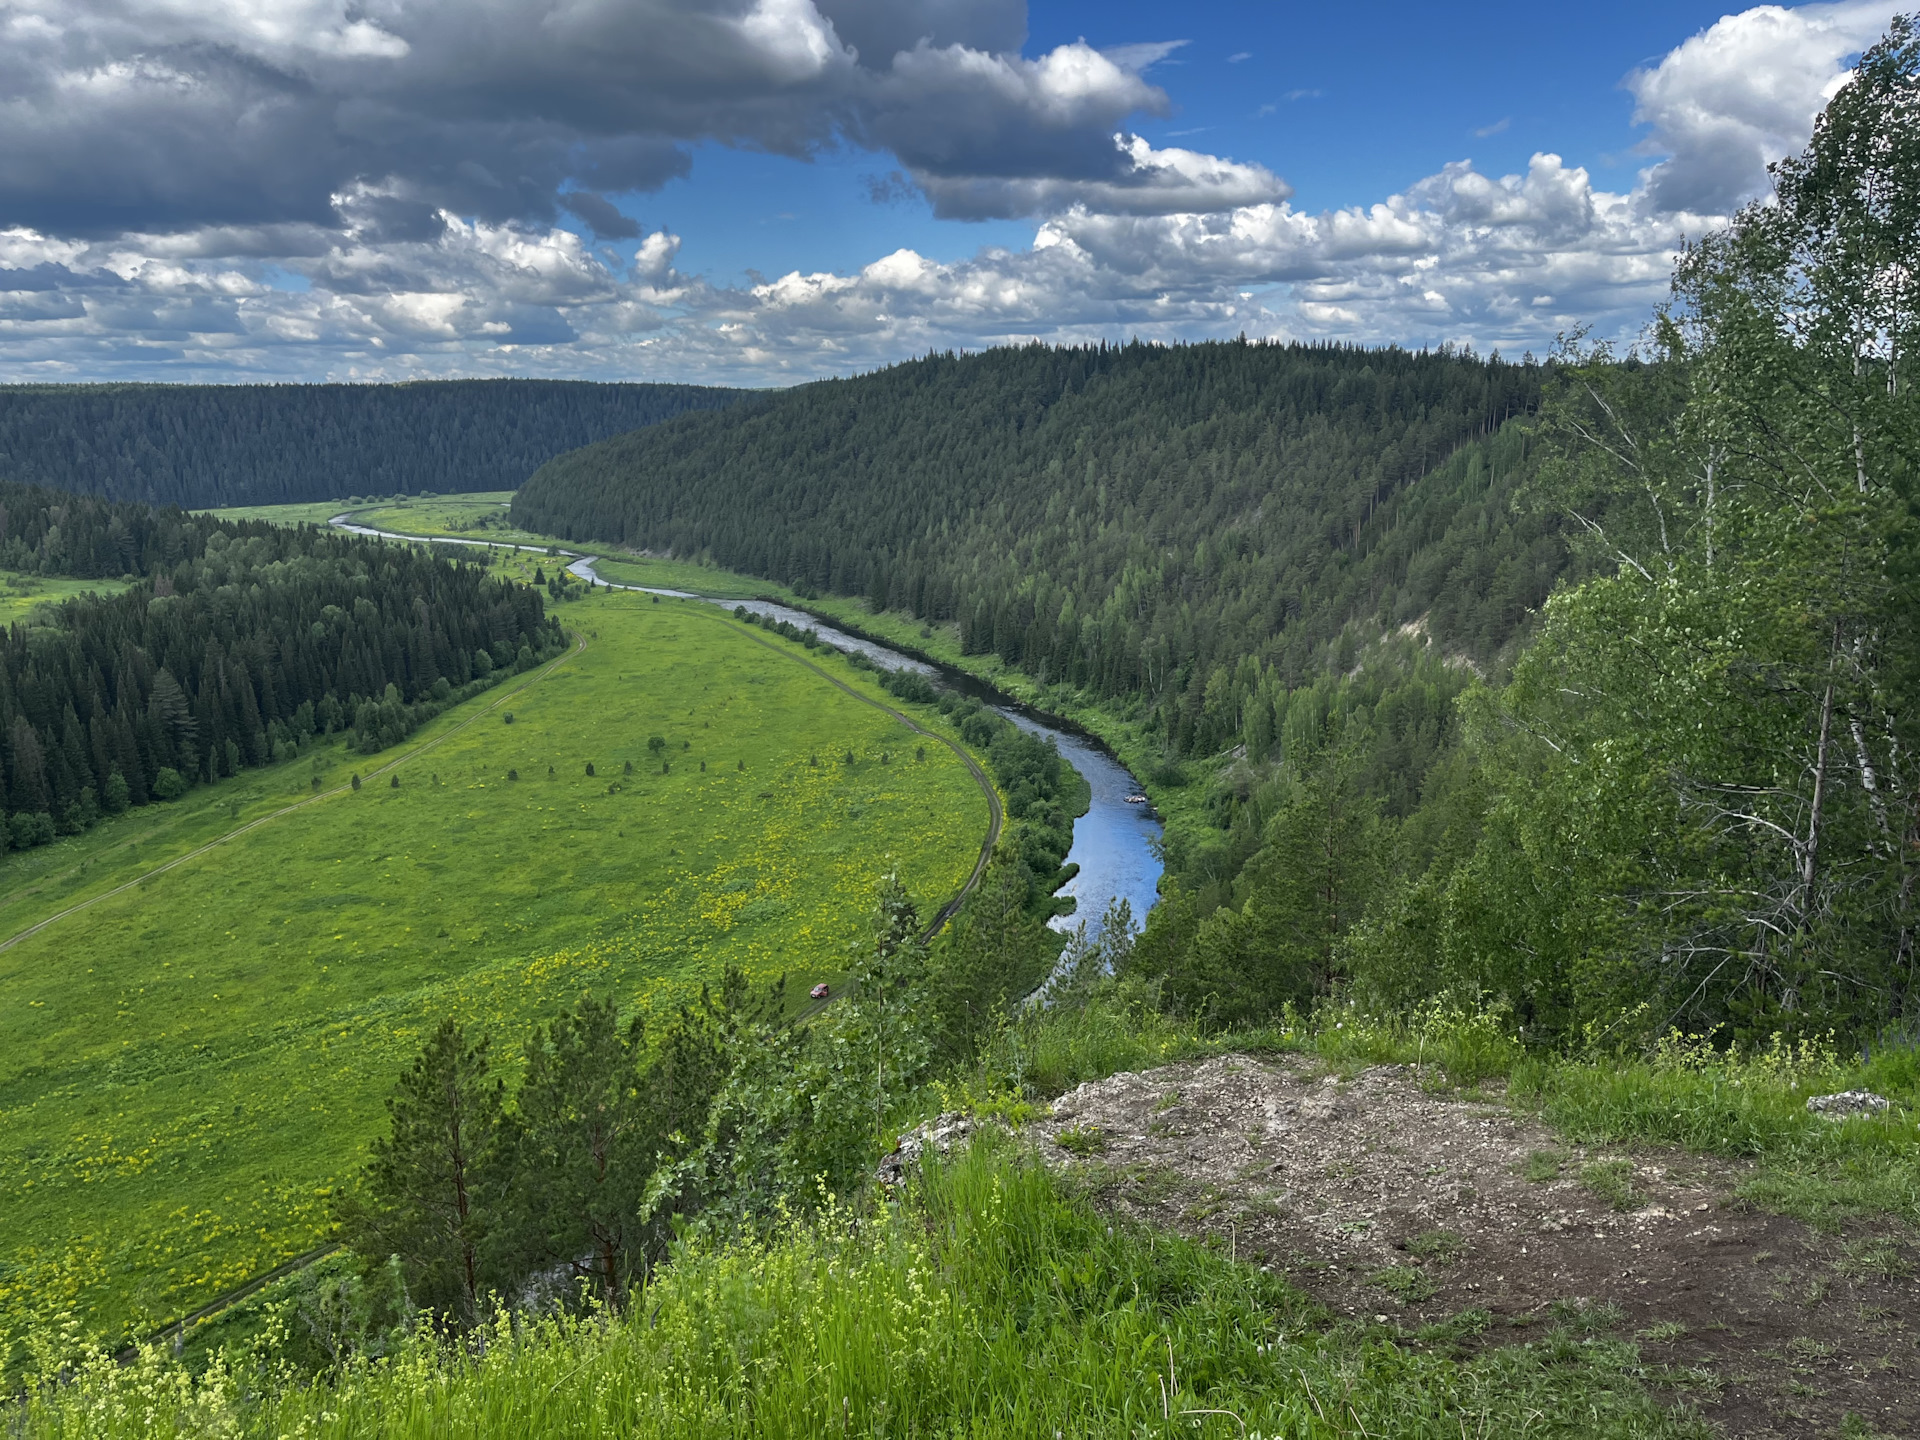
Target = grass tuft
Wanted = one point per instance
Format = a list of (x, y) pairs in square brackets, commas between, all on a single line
[(1612, 1181)]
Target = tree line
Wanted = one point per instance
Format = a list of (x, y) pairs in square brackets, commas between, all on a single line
[(236, 646), (1181, 528), (203, 446)]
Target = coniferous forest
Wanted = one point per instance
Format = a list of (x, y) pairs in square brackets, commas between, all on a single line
[(205, 446), (1135, 520), (1583, 684), (235, 646)]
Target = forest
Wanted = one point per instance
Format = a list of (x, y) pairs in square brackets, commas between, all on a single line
[(1168, 523), (1581, 686), (207, 446), (238, 643)]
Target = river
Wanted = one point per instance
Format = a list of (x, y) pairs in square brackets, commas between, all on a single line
[(1115, 844)]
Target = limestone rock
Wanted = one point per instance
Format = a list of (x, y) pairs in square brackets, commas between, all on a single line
[(1847, 1102)]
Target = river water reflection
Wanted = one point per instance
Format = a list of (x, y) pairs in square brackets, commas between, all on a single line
[(1115, 844)]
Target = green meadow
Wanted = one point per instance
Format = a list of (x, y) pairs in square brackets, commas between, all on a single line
[(189, 1067), (481, 515), (316, 512), (20, 593)]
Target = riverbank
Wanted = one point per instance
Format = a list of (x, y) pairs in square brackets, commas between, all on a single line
[(1116, 844)]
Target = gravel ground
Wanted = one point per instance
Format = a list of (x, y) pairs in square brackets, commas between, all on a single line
[(1389, 1195)]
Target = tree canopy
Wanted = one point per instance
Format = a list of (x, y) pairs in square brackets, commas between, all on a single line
[(204, 446)]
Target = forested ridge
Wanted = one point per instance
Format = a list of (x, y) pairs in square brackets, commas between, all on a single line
[(1185, 525), (1682, 794), (203, 446), (1693, 806), (239, 643)]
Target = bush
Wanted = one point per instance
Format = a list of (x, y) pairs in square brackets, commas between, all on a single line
[(167, 784), (26, 831)]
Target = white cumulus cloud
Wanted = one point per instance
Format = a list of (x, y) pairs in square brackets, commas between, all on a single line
[(223, 189)]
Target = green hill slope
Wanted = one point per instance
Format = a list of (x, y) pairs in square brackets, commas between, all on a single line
[(1193, 526), (202, 446)]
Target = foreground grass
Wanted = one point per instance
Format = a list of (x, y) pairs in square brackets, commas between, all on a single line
[(188, 1069), (1821, 1171), (991, 1301)]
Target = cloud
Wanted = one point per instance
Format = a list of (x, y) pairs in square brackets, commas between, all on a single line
[(599, 215), (1135, 179), (1744, 92), (996, 136), (166, 117), (1238, 56), (1498, 127), (1460, 256), (405, 274)]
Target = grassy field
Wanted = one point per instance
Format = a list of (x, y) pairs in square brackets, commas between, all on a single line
[(188, 1068), (317, 512), (20, 593), (479, 515)]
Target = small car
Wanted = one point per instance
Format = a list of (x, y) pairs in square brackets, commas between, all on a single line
[(819, 992)]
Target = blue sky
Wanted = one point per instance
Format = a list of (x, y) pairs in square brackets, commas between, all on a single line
[(1348, 103), (765, 191)]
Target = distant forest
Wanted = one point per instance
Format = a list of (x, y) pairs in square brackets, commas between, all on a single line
[(201, 446), (1198, 527), (241, 643)]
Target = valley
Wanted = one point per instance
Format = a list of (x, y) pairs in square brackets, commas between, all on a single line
[(193, 1064)]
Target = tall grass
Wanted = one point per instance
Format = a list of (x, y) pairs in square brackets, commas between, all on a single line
[(1119, 1025), (1751, 1104), (989, 1302)]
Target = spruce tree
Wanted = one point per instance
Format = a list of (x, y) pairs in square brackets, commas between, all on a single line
[(584, 1138)]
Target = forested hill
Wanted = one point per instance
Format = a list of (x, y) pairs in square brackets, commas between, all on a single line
[(202, 446), (1189, 523), (237, 644)]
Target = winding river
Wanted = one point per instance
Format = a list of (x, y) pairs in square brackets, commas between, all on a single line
[(1115, 844)]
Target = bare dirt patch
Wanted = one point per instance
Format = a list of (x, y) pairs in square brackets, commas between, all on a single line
[(1387, 1195)]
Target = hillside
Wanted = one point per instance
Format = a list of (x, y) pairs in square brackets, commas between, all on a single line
[(202, 446), (1182, 524)]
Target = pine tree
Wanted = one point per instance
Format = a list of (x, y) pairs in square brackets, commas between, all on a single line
[(433, 1183), (584, 1140)]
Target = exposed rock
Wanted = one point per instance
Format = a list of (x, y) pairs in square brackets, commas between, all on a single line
[(939, 1134), (1848, 1102), (1387, 1191)]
